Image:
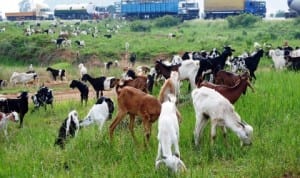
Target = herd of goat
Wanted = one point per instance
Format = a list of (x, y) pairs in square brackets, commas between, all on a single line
[(214, 92)]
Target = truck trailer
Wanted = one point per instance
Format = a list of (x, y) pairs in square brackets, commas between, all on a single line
[(223, 8), (294, 9), (144, 9), (80, 11)]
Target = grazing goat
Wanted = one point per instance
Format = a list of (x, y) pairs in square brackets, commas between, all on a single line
[(99, 113), (83, 88), (82, 69), (69, 127), (228, 78), (57, 73), (4, 118), (231, 93), (43, 97), (208, 103), (168, 136), (19, 104), (23, 78), (277, 56), (134, 102), (101, 83)]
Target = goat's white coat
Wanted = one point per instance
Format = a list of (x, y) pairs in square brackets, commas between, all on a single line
[(23, 78), (168, 136), (221, 112), (98, 114), (82, 69), (73, 115), (277, 56)]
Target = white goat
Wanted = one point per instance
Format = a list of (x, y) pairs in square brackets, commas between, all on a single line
[(168, 136), (23, 78), (208, 103), (4, 118), (99, 113), (277, 56), (82, 69)]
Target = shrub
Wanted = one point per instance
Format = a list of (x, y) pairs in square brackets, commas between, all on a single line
[(243, 20), (166, 21), (139, 26)]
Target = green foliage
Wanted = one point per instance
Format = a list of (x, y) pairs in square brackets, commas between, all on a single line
[(243, 20), (166, 21), (297, 21), (140, 26)]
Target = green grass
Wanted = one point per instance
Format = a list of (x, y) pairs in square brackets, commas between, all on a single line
[(272, 110)]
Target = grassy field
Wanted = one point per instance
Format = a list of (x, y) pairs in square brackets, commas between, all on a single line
[(272, 110)]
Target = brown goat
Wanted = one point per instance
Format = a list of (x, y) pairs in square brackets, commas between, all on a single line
[(135, 102), (140, 82), (231, 93), (228, 78)]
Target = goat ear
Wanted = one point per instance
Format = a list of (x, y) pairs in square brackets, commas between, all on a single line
[(241, 124)]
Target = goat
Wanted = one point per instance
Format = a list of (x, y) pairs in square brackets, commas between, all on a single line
[(277, 56), (107, 65), (208, 103), (82, 69), (83, 88), (99, 113), (43, 97), (4, 118), (251, 62), (139, 82), (168, 136), (59, 42), (69, 127), (101, 83), (57, 73), (228, 78), (231, 93), (134, 102), (19, 104), (132, 59), (80, 43), (170, 86), (23, 78), (107, 35), (293, 62)]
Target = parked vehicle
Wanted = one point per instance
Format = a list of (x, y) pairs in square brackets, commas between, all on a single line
[(80, 11), (223, 8), (294, 10), (144, 9)]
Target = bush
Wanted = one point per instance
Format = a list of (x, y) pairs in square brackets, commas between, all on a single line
[(166, 21), (243, 20), (139, 26)]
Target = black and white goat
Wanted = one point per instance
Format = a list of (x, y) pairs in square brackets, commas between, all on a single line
[(19, 104), (101, 83), (99, 113), (83, 88), (43, 97), (80, 43), (4, 119), (69, 128), (57, 73)]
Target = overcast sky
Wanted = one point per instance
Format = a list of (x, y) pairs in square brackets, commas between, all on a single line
[(12, 5)]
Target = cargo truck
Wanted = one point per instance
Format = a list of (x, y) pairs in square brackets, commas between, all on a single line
[(223, 8), (144, 9), (294, 10)]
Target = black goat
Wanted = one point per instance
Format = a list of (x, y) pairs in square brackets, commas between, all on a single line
[(107, 35), (19, 104), (56, 73), (68, 128), (83, 88), (101, 83), (132, 59), (43, 97), (213, 64), (252, 62)]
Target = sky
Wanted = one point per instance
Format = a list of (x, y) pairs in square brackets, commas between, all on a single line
[(12, 5)]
